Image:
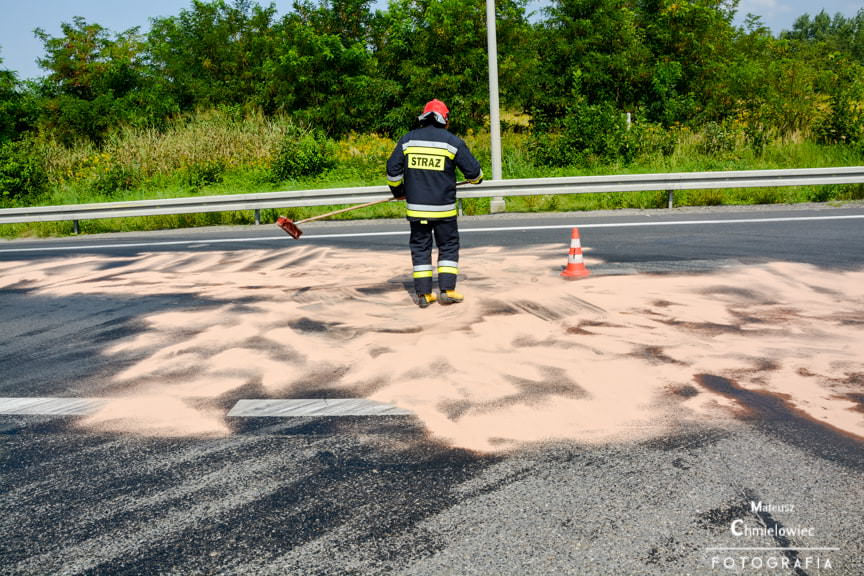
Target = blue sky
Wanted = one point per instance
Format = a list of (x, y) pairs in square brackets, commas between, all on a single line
[(19, 49)]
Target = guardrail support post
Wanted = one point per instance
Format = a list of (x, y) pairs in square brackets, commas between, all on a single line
[(75, 228), (257, 217), (497, 205), (670, 198)]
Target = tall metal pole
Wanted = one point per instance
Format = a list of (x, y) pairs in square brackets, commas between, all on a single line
[(497, 204)]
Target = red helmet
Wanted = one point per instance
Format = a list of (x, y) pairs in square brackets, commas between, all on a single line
[(437, 109)]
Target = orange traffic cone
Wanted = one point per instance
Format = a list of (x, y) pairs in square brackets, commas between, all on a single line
[(575, 267)]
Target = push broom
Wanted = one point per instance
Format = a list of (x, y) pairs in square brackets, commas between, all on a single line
[(293, 229)]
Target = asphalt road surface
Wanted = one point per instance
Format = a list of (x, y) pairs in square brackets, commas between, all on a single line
[(768, 491)]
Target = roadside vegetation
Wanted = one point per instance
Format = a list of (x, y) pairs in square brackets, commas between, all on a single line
[(229, 98)]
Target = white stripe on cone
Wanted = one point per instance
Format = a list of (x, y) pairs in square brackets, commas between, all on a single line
[(575, 267)]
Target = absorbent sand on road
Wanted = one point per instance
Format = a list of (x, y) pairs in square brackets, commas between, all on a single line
[(527, 358)]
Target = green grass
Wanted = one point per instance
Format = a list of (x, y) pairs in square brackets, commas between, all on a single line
[(213, 153), (780, 154)]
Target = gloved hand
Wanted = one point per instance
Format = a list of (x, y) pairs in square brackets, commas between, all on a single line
[(398, 191), (478, 181)]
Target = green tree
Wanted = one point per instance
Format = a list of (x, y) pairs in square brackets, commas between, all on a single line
[(600, 39), (691, 42), (838, 33), (77, 61), (97, 81), (20, 105), (585, 134), (437, 49), (22, 170), (820, 87), (844, 123), (213, 53), (323, 70), (834, 47), (519, 50), (593, 67)]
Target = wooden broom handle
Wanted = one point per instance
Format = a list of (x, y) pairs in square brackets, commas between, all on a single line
[(357, 207)]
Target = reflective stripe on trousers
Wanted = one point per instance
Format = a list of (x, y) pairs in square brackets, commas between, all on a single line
[(445, 234)]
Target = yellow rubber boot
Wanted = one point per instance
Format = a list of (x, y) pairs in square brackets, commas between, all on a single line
[(451, 297), (424, 300)]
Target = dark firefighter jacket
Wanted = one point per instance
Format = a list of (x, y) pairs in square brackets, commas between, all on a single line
[(422, 168)]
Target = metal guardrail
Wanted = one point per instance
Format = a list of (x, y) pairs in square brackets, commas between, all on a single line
[(491, 188)]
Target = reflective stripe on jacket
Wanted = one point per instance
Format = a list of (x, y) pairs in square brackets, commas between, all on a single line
[(425, 162)]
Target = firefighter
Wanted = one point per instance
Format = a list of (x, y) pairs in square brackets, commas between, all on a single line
[(422, 170)]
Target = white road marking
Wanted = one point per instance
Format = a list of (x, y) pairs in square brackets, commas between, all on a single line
[(50, 406), (773, 549), (283, 237), (670, 223), (189, 243), (311, 407), (612, 225), (315, 407)]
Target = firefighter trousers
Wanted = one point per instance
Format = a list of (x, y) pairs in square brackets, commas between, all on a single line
[(446, 237)]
